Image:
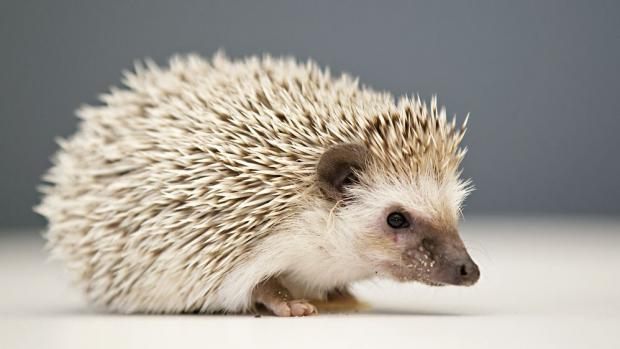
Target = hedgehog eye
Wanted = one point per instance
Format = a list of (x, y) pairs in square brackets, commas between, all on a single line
[(397, 220)]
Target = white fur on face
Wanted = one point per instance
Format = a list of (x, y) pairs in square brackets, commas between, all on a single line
[(426, 196)]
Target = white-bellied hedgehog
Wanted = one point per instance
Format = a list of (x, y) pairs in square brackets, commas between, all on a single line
[(218, 185)]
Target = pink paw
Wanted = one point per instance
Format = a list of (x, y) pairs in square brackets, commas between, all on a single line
[(294, 308)]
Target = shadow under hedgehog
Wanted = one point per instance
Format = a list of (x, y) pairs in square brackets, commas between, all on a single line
[(212, 186)]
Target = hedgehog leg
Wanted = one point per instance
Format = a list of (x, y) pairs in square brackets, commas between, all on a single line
[(278, 299)]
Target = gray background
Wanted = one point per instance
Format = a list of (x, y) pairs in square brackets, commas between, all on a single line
[(540, 79)]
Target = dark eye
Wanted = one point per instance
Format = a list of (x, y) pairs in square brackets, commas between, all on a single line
[(396, 220)]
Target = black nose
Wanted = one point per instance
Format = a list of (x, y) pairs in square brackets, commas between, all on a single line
[(467, 273)]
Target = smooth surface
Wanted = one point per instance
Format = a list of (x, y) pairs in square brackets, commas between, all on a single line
[(546, 283), (540, 79)]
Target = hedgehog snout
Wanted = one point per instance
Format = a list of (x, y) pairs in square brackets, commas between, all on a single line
[(457, 267), (441, 262), (468, 272)]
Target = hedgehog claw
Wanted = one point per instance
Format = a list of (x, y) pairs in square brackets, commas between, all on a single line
[(276, 298), (302, 308), (298, 307)]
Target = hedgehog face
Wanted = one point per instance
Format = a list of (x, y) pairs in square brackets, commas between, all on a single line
[(420, 249), (404, 226)]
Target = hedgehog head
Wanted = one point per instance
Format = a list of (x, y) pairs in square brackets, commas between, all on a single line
[(397, 193)]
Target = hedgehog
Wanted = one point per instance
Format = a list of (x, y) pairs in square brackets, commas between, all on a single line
[(220, 185)]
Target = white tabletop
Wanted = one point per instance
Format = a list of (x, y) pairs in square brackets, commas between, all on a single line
[(546, 283)]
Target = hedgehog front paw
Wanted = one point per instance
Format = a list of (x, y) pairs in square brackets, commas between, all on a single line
[(277, 299), (298, 307)]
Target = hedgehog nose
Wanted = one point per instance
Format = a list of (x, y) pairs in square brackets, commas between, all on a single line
[(467, 273)]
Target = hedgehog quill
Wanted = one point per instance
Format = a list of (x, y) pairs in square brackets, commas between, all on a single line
[(219, 185)]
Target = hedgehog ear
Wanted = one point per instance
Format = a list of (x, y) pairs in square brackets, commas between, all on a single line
[(336, 168)]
